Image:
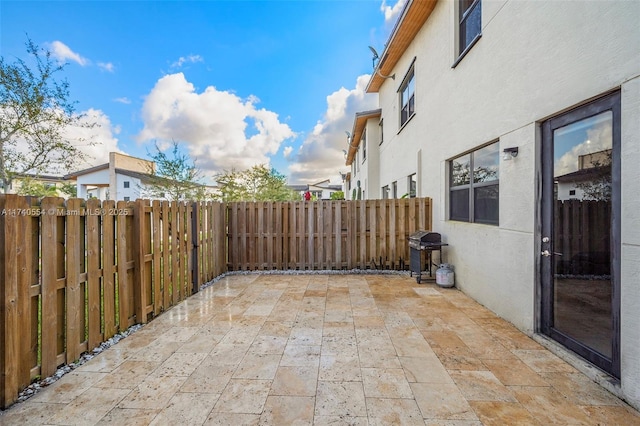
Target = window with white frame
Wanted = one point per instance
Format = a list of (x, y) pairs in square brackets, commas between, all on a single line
[(385, 192), (469, 24), (126, 184), (474, 186), (394, 189), (407, 97)]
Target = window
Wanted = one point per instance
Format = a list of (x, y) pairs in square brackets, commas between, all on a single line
[(385, 192), (474, 186), (381, 132), (407, 98), (127, 198), (364, 145), (126, 183), (394, 189), (572, 192), (470, 25), (412, 183)]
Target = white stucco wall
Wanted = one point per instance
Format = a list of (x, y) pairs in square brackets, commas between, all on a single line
[(133, 192), (630, 291), (535, 59)]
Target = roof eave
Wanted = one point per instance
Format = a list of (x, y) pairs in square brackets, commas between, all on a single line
[(410, 21)]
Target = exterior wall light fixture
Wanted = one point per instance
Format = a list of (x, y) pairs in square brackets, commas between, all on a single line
[(509, 153)]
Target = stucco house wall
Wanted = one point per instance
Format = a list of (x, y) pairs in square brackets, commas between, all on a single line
[(533, 61)]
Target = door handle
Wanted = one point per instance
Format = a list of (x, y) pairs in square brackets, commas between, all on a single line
[(546, 253)]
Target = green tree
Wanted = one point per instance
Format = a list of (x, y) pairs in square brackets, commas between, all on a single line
[(175, 176), (71, 189), (338, 195), (259, 183), (35, 188), (35, 110)]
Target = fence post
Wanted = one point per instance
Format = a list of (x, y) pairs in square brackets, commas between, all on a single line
[(10, 245)]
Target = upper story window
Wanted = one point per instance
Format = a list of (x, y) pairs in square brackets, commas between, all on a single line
[(474, 186), (126, 184), (364, 145), (407, 97), (381, 131), (470, 25)]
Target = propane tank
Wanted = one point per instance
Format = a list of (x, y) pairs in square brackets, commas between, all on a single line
[(444, 275)]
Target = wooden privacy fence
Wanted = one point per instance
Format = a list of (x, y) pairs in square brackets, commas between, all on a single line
[(74, 273), (324, 234), (583, 236)]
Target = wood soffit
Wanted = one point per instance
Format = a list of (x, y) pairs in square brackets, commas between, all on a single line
[(410, 21), (356, 134)]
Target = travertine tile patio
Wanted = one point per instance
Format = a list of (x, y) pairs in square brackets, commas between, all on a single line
[(325, 350)]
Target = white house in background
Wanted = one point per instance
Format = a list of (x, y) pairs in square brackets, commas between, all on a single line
[(484, 104), (123, 178), (320, 190)]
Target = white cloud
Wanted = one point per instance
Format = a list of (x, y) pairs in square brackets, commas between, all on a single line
[(599, 138), (392, 12), (123, 100), (106, 66), (187, 59), (63, 53), (287, 151), (320, 156), (221, 130), (95, 142)]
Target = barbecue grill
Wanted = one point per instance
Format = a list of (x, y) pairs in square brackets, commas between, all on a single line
[(424, 241)]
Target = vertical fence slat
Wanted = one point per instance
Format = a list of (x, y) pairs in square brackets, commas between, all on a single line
[(109, 268), (94, 272)]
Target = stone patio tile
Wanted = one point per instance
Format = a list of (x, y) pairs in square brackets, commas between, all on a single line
[(295, 381), (481, 386), (209, 377), (128, 375), (128, 416), (227, 419), (500, 413), (180, 364), (257, 366), (186, 409), (243, 396), (89, 407), (340, 368), (549, 406), (385, 383), (441, 401), (69, 387), (340, 399), (153, 393), (288, 410), (425, 370), (301, 355), (383, 412)]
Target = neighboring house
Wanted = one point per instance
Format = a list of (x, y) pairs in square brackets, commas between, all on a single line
[(123, 178), (591, 180), (320, 190), (484, 106), (48, 181)]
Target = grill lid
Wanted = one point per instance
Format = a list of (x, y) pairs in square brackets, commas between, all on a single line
[(425, 237)]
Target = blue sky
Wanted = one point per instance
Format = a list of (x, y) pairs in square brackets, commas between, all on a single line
[(237, 83)]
